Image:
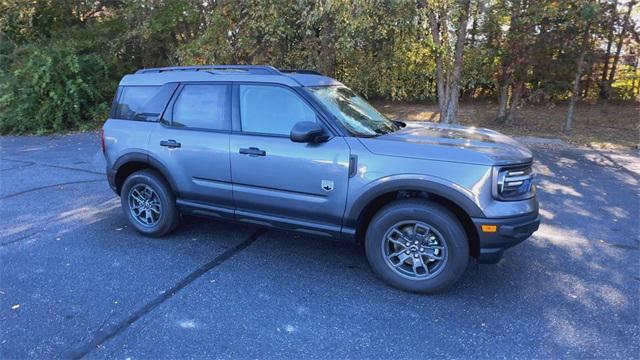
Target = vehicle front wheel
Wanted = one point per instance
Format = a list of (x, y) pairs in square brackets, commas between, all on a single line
[(149, 203), (417, 245)]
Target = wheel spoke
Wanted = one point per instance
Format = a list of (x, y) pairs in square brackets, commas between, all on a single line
[(402, 244), (433, 255), (401, 256), (148, 217), (420, 230), (135, 194), (417, 264), (424, 264), (148, 193)]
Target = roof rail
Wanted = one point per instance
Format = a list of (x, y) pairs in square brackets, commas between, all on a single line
[(301, 71), (252, 69)]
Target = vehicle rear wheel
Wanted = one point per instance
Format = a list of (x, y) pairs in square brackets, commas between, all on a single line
[(149, 203), (417, 245)]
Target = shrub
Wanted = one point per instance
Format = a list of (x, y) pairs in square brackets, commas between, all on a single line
[(61, 84)]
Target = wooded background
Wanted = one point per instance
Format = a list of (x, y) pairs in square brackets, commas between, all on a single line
[(61, 60)]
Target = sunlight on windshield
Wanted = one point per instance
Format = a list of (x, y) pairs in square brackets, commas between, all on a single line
[(357, 115)]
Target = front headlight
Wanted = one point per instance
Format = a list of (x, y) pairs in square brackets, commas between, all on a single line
[(513, 182)]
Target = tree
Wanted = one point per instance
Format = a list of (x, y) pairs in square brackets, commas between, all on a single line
[(610, 24), (506, 51), (606, 92), (516, 58), (442, 16), (586, 11)]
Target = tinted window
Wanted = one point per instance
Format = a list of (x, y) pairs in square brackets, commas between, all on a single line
[(201, 106), (136, 103), (271, 109)]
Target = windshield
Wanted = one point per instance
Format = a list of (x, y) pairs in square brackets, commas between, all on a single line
[(357, 115)]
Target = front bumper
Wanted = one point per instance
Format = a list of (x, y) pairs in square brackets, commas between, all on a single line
[(509, 232)]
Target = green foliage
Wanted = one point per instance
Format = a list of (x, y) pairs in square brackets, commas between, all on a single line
[(60, 60), (58, 84), (627, 85)]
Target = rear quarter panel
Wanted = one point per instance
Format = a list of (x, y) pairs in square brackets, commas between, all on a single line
[(125, 136)]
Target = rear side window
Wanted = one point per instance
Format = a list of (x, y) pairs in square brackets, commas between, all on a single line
[(202, 106), (144, 103)]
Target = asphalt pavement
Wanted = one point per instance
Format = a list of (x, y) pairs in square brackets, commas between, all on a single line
[(77, 281)]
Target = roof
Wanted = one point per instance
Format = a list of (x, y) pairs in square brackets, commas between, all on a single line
[(227, 73)]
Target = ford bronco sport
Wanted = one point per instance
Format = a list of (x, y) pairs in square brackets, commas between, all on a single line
[(299, 151)]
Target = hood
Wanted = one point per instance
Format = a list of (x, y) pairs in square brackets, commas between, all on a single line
[(466, 144)]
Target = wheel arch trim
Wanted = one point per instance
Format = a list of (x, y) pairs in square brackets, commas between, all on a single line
[(436, 186), (143, 156)]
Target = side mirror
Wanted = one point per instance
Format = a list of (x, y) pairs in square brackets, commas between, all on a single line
[(307, 132)]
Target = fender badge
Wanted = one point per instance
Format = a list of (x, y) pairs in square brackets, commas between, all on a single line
[(327, 185)]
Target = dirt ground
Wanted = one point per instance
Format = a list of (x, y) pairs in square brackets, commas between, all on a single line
[(595, 125)]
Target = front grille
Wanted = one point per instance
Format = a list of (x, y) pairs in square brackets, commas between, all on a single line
[(515, 183)]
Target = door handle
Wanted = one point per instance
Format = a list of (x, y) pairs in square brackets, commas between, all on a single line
[(170, 143), (252, 151)]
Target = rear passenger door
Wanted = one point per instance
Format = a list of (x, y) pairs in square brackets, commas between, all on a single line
[(192, 142), (276, 181)]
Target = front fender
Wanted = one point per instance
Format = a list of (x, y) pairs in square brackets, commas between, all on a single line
[(430, 184)]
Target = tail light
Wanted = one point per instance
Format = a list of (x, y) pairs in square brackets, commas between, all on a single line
[(102, 144)]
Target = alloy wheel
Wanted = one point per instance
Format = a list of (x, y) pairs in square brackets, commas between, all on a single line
[(144, 205), (414, 250)]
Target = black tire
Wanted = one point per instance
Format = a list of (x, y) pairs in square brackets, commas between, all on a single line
[(436, 217), (168, 218)]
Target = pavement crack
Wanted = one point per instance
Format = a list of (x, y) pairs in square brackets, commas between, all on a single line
[(623, 246), (20, 161), (71, 168), (55, 166), (24, 164), (25, 237), (104, 335), (50, 186)]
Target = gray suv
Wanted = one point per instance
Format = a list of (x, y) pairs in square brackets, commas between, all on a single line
[(299, 151)]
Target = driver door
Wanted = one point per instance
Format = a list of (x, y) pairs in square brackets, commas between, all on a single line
[(277, 182)]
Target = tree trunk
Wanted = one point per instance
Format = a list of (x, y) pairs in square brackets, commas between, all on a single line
[(453, 91), (474, 24), (434, 24), (633, 78), (607, 55), (575, 91), (516, 99), (503, 100), (568, 126), (327, 46), (604, 94), (587, 85), (616, 58)]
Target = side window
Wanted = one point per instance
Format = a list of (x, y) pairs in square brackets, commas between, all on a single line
[(271, 109), (201, 106), (131, 103)]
